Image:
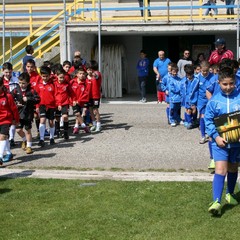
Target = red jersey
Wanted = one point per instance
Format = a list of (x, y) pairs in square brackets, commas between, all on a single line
[(63, 93), (82, 91), (96, 85), (67, 77), (46, 91), (217, 57), (10, 84), (35, 78), (8, 109)]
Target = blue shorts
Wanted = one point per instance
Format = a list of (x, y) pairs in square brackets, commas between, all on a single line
[(231, 155)]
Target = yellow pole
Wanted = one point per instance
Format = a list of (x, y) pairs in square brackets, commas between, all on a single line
[(94, 12), (145, 4), (30, 19), (200, 9)]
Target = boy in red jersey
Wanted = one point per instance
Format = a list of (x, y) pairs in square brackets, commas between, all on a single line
[(26, 99), (10, 83), (8, 114), (82, 90), (96, 79), (47, 106), (63, 92), (66, 67)]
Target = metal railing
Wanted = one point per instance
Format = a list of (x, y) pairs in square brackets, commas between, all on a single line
[(42, 21)]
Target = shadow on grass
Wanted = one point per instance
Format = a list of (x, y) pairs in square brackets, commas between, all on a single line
[(5, 190), (23, 174)]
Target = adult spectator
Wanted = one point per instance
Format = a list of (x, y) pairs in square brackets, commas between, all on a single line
[(220, 52), (141, 5), (77, 54), (200, 58), (230, 10), (142, 69), (160, 68), (186, 59)]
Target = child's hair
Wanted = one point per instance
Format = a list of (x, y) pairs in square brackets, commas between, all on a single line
[(67, 63), (94, 65), (47, 64), (80, 69), (24, 76), (45, 70), (77, 64), (60, 71), (143, 51), (31, 61), (215, 66), (174, 67), (56, 67), (189, 69), (226, 72), (1, 81), (205, 64), (2, 84), (7, 66), (29, 49), (234, 64), (196, 66), (171, 64)]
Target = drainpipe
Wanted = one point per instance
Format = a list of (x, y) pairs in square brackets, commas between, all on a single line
[(3, 28), (99, 35), (65, 52)]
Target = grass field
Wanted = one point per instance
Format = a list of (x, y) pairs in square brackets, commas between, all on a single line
[(73, 209)]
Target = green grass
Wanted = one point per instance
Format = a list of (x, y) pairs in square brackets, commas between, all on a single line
[(63, 209)]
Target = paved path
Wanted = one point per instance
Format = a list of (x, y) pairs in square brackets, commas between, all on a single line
[(135, 137)]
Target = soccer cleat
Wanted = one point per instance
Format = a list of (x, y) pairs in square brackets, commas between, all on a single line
[(215, 208), (173, 124), (86, 129), (231, 200), (181, 123), (75, 130), (7, 157), (189, 126), (65, 135), (98, 129), (1, 161), (203, 140), (29, 150), (52, 141), (24, 145), (211, 164), (12, 143), (93, 128), (41, 143)]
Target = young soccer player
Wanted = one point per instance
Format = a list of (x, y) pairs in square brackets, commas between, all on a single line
[(26, 98), (226, 155), (63, 92), (96, 80), (190, 111), (82, 90), (47, 106), (29, 50), (8, 114), (66, 67), (175, 97), (10, 83), (198, 97)]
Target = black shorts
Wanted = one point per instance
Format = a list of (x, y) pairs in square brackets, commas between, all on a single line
[(4, 129), (77, 109), (26, 123), (95, 103), (64, 111), (47, 113)]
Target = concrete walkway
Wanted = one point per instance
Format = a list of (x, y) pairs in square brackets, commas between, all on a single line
[(136, 143)]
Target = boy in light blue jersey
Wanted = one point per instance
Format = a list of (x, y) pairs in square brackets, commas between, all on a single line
[(165, 87), (198, 96), (175, 97), (226, 155)]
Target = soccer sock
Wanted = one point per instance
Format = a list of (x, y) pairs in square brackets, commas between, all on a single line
[(52, 130), (57, 126), (37, 122), (42, 128), (194, 116), (167, 112), (94, 123), (24, 139), (7, 148), (231, 181), (210, 149), (202, 127), (188, 118), (29, 144), (65, 126), (218, 185), (12, 131), (76, 125), (2, 147), (61, 122), (98, 124)]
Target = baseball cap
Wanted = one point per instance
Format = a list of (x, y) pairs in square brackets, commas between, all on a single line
[(220, 41)]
